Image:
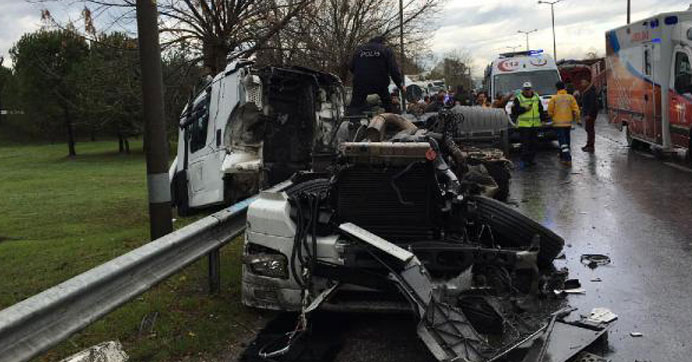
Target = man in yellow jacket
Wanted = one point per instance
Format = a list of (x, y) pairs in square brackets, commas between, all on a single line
[(563, 110)]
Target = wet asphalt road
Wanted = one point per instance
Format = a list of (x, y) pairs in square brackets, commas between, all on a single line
[(637, 210), (619, 202)]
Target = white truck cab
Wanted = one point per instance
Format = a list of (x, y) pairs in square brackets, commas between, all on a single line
[(248, 128)]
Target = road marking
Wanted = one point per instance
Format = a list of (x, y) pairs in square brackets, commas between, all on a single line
[(679, 167)]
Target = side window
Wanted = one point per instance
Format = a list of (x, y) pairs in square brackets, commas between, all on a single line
[(198, 127), (647, 61), (683, 73)]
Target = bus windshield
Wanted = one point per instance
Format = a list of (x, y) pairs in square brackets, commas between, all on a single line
[(543, 82)]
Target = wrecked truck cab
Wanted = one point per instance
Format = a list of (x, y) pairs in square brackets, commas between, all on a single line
[(249, 128), (408, 185), (396, 224)]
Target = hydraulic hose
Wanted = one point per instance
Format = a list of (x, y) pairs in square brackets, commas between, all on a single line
[(378, 124)]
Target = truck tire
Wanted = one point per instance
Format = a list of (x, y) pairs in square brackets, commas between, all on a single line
[(513, 229)]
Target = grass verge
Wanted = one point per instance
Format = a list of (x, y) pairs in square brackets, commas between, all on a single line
[(62, 216)]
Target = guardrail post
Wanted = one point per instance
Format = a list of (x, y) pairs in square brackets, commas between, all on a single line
[(214, 271)]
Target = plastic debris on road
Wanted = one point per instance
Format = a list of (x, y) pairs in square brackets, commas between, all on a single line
[(602, 315), (595, 260)]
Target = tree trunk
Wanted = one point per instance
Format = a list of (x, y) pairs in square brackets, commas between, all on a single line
[(127, 146), (70, 133), (121, 143), (92, 134)]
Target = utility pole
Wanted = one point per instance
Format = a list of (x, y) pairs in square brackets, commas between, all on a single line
[(629, 10), (401, 45), (527, 36), (155, 140), (552, 14)]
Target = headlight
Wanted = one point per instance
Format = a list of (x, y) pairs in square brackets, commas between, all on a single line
[(270, 265)]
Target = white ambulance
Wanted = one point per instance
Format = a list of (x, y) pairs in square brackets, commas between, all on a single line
[(649, 77), (506, 75)]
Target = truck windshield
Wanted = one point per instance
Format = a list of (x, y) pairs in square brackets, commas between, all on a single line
[(543, 81)]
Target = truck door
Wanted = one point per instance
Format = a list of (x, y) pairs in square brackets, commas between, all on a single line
[(652, 119), (197, 138), (681, 98)]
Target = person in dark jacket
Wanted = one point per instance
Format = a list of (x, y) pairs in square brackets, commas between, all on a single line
[(589, 105), (372, 65)]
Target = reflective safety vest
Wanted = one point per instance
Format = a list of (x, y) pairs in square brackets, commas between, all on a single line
[(532, 117)]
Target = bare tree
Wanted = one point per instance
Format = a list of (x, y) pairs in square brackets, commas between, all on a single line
[(328, 31), (454, 68), (212, 29)]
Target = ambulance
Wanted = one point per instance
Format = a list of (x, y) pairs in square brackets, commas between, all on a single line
[(649, 79), (506, 75)]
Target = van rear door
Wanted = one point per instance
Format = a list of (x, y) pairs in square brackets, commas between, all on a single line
[(681, 98), (651, 125)]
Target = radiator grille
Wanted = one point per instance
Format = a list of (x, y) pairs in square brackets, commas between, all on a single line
[(366, 197)]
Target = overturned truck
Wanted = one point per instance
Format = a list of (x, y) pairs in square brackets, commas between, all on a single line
[(404, 219)]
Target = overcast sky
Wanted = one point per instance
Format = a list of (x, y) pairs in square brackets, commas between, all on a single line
[(483, 27)]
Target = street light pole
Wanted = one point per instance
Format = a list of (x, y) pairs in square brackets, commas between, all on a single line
[(527, 36), (401, 44), (629, 10), (552, 15), (155, 140)]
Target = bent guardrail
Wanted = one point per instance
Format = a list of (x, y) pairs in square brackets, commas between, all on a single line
[(38, 323)]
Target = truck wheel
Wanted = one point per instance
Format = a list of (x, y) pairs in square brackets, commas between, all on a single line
[(513, 229)]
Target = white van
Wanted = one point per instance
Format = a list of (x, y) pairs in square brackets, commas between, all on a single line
[(250, 128)]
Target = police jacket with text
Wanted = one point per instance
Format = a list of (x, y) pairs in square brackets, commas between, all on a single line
[(372, 65)]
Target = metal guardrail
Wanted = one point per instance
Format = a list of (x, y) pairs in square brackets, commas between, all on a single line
[(38, 323)]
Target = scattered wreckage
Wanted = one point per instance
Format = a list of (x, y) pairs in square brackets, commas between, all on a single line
[(404, 218)]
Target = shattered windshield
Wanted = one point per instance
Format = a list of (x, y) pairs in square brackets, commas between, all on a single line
[(543, 81)]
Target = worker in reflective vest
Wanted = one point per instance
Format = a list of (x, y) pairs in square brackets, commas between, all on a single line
[(528, 114)]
